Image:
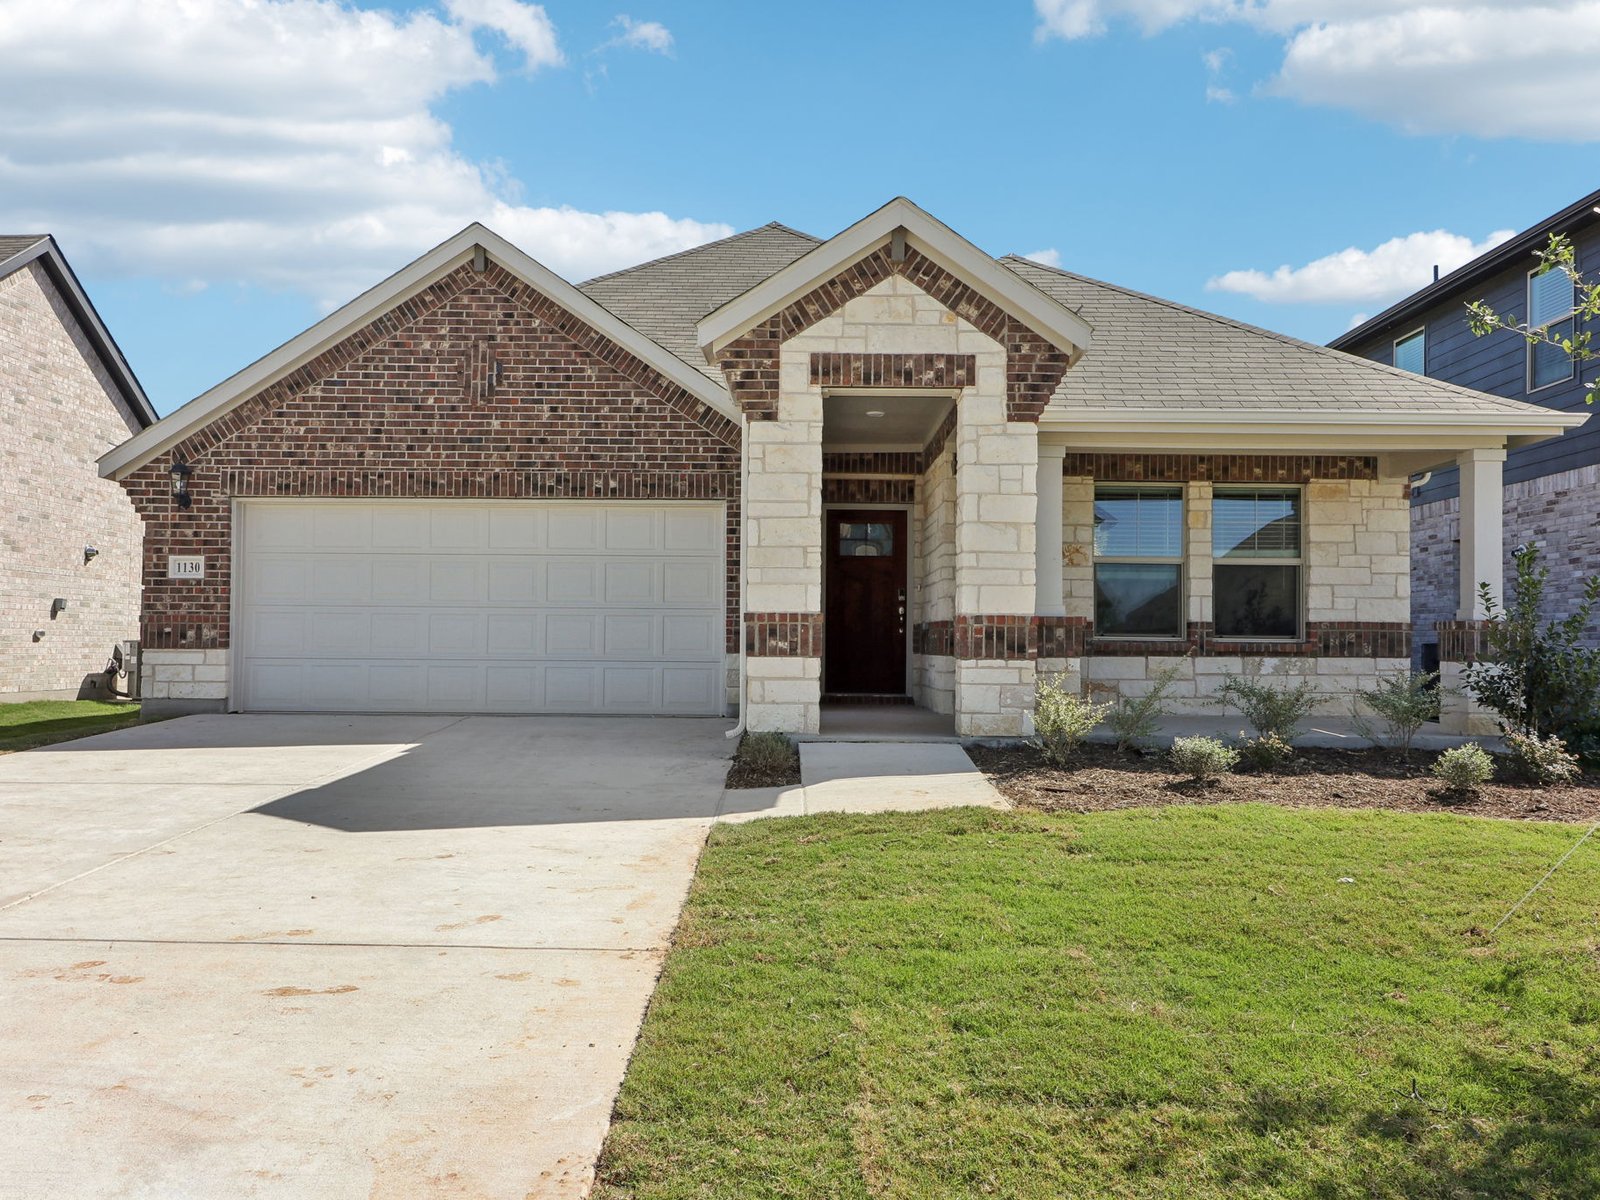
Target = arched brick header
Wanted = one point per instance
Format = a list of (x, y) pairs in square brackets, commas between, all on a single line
[(1034, 366)]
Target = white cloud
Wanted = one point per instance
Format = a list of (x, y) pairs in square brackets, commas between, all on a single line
[(1220, 95), (1396, 268), (642, 35), (1050, 257), (525, 26), (288, 143), (1492, 68), (1359, 318)]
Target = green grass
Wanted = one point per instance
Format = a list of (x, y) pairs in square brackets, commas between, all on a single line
[(1180, 1002), (40, 722)]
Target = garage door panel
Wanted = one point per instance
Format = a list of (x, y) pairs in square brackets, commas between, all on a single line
[(396, 634), (516, 529), (399, 580), (339, 579), (691, 583), (569, 581), (628, 689), (630, 583), (632, 529), (689, 635), (341, 527), (571, 635), (575, 528), (688, 689), (629, 635), (512, 633), (536, 606), (696, 530), (455, 581), (514, 582)]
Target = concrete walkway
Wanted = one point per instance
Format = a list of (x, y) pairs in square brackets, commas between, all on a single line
[(335, 956), (869, 777)]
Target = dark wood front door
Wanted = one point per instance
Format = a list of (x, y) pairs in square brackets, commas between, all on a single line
[(864, 643)]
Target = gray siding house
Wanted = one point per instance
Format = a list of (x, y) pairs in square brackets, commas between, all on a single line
[(1551, 488)]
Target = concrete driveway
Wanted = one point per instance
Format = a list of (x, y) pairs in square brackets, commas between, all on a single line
[(307, 956)]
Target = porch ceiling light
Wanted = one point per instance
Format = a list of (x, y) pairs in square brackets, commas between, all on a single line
[(180, 472), (874, 412)]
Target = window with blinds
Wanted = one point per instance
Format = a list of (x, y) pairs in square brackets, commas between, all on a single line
[(1551, 297), (1256, 539), (1411, 352), (1138, 567)]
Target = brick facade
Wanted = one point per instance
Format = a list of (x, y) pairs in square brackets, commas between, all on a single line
[(477, 387), (894, 370), (1034, 367), (1219, 468), (59, 412)]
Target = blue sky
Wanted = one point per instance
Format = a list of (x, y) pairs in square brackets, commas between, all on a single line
[(224, 173)]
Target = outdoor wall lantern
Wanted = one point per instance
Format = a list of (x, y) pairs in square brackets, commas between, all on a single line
[(57, 607), (89, 553), (180, 483)]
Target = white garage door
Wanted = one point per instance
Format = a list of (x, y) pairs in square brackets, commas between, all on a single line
[(512, 607)]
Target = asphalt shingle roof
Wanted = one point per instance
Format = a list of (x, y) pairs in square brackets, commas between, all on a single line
[(12, 244), (1153, 354), (666, 298)]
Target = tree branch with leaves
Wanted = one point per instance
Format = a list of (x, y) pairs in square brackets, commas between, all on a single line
[(1559, 255)]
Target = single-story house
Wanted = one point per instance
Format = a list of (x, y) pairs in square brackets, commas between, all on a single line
[(71, 562), (775, 471)]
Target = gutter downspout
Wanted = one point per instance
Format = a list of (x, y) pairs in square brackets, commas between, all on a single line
[(744, 567)]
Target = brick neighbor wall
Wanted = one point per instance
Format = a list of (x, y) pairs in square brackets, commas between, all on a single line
[(477, 387), (1560, 514), (59, 412)]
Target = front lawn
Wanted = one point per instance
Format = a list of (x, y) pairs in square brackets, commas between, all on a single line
[(41, 722), (1235, 1000)]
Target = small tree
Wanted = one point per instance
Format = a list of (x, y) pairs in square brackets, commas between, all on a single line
[(1538, 676), (1559, 255), (1136, 718), (1401, 703)]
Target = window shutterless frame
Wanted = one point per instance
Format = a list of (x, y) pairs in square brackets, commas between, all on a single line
[(1110, 492), (1545, 322), (1270, 556), (1413, 345)]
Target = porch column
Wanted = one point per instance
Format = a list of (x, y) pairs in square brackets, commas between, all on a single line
[(1482, 556), (1481, 560), (1048, 600)]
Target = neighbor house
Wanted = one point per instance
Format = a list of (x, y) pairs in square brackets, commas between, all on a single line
[(70, 558), (1552, 488), (777, 471)]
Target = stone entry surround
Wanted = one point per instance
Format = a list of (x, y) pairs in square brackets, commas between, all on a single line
[(973, 523)]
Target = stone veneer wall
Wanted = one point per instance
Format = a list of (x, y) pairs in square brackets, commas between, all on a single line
[(59, 412), (1357, 588), (933, 664), (1558, 513)]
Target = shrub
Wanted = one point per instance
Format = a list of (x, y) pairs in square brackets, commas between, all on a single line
[(1265, 753), (1062, 720), (1202, 759), (1136, 718), (1543, 761), (768, 753), (1401, 703), (1269, 708), (1538, 677), (1464, 769)]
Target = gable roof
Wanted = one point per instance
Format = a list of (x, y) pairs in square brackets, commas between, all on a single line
[(1157, 355), (1517, 249), (16, 252), (340, 324), (664, 299), (922, 232)]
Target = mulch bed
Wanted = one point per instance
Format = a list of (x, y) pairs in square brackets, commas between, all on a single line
[(742, 775), (1107, 779)]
